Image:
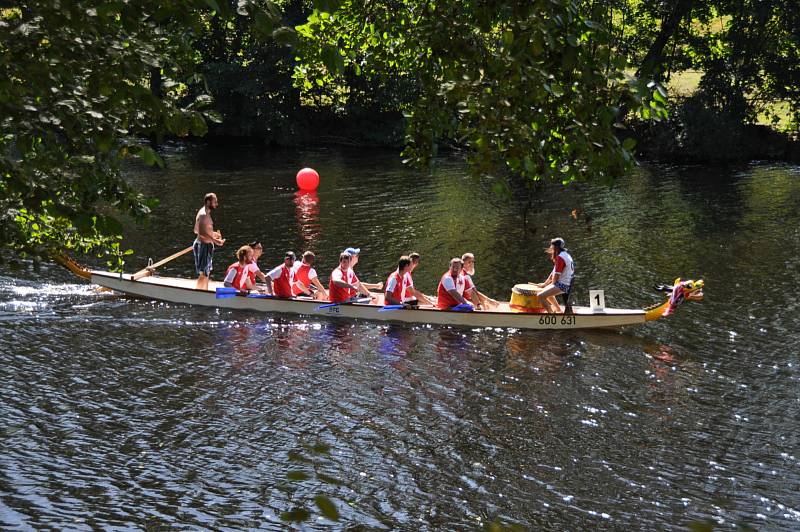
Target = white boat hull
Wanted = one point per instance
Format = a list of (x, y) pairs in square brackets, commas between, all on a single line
[(176, 290)]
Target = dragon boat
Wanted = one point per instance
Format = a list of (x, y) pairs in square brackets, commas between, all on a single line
[(523, 311)]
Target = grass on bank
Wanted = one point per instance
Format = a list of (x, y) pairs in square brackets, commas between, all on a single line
[(685, 83)]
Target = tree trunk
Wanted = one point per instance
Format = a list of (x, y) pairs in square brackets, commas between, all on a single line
[(155, 90), (653, 62)]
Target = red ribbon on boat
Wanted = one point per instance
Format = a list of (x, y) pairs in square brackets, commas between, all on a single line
[(677, 297)]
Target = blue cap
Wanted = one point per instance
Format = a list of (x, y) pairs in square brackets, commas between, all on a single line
[(353, 251)]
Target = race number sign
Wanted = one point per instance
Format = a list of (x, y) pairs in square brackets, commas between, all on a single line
[(597, 300)]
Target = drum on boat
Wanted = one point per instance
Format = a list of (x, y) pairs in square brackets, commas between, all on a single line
[(524, 298)]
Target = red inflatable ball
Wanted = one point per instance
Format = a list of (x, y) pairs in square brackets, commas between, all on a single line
[(308, 179)]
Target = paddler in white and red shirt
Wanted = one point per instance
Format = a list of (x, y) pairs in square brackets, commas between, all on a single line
[(281, 278), (354, 253), (396, 284), (450, 292), (471, 293), (344, 285), (238, 274), (306, 280), (255, 271), (413, 295)]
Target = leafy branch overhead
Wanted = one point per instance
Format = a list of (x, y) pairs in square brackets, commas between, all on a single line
[(81, 85), (534, 90)]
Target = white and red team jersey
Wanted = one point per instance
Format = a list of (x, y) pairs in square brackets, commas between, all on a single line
[(409, 293), (282, 280), (237, 275), (443, 297), (252, 270), (339, 294), (565, 267), (468, 286), (303, 273), (397, 286)]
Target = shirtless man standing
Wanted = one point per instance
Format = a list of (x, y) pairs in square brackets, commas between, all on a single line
[(207, 238)]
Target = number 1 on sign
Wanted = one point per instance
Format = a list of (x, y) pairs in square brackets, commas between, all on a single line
[(597, 300)]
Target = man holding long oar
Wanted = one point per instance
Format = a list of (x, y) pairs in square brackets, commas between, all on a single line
[(207, 238)]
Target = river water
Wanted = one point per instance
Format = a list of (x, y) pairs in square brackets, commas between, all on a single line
[(120, 413)]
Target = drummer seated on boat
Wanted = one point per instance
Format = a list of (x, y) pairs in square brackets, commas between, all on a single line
[(560, 279), (450, 292), (238, 274), (397, 284), (280, 279), (306, 280), (344, 285)]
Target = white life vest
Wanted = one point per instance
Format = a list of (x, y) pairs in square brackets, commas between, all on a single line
[(569, 269)]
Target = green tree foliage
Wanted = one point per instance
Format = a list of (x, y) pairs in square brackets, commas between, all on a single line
[(753, 60), (253, 89), (748, 51), (249, 76), (80, 83), (533, 89)]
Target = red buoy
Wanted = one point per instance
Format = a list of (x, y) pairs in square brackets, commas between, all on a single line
[(308, 179)]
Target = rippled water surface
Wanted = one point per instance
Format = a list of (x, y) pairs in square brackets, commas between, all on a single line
[(118, 412)]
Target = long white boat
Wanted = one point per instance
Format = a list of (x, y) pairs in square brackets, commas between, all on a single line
[(506, 315)]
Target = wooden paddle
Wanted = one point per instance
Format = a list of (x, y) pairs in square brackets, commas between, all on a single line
[(149, 269)]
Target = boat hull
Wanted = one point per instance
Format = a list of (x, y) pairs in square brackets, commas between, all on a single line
[(176, 290)]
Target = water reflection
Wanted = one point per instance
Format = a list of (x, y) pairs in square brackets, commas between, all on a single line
[(242, 342), (307, 216), (396, 341), (338, 337), (453, 343), (540, 352)]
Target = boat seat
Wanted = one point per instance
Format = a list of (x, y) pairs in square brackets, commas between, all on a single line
[(566, 296)]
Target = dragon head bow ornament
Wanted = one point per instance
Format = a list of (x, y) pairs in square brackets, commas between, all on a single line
[(680, 291)]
